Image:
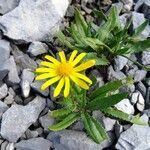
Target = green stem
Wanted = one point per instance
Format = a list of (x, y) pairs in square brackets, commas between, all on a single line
[(137, 63)]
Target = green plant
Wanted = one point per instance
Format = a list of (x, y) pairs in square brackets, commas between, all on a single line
[(106, 41), (80, 105)]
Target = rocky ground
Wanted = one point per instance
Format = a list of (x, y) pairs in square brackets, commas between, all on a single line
[(27, 28)]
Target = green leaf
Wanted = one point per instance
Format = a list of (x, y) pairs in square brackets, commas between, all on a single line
[(113, 112), (99, 60), (101, 103), (59, 112), (109, 87), (64, 40), (66, 122), (94, 128), (140, 28), (80, 22), (140, 46), (99, 13)]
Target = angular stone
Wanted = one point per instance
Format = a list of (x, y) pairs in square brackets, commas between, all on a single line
[(140, 102), (34, 20), (136, 137), (139, 75), (37, 48), (146, 58), (8, 5), (27, 78), (141, 88), (46, 121), (127, 5), (17, 119), (3, 91), (75, 140), (4, 51), (10, 65), (108, 123), (138, 19), (125, 106), (36, 85), (34, 144)]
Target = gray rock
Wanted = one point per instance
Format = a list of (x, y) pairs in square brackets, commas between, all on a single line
[(146, 58), (136, 137), (125, 106), (138, 19), (75, 140), (113, 75), (79, 126), (141, 88), (46, 121), (8, 5), (31, 134), (10, 65), (132, 70), (22, 60), (108, 123), (36, 85), (4, 145), (140, 102), (3, 91), (123, 19), (3, 108), (37, 48), (34, 144), (134, 97), (118, 129), (10, 98), (127, 5), (27, 78), (139, 75), (17, 119), (34, 20), (120, 62), (4, 51)]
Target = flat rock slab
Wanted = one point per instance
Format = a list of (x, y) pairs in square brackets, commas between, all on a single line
[(17, 119), (34, 20)]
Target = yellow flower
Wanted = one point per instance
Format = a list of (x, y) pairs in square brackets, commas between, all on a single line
[(64, 71)]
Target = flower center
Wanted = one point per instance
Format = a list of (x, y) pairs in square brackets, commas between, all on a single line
[(65, 69)]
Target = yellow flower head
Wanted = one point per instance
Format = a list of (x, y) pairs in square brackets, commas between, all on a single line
[(64, 71)]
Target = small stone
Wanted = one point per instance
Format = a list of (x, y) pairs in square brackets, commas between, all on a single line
[(123, 19), (34, 144), (3, 91), (37, 48), (4, 50), (139, 75), (17, 119), (3, 108), (10, 65), (140, 103), (141, 88), (127, 5), (118, 129), (108, 123), (34, 20), (31, 134), (125, 106), (10, 98), (120, 62), (27, 78), (8, 5), (4, 145), (75, 140), (113, 75), (132, 70), (138, 19), (136, 137), (36, 85), (79, 126), (134, 97), (10, 146), (46, 121), (146, 58)]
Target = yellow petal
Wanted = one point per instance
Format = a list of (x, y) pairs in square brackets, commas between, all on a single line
[(45, 76), (79, 82), (85, 65), (78, 59), (67, 87), (59, 87), (48, 64), (41, 70), (83, 77), (52, 59), (50, 82), (62, 56), (73, 55)]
